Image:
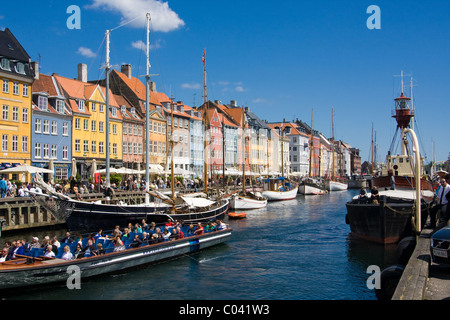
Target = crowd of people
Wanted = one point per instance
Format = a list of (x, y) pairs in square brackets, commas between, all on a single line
[(76, 247)]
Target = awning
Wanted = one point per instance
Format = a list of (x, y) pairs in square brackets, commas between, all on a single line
[(7, 165)]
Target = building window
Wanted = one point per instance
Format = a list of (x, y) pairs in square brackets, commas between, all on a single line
[(86, 125), (94, 106), (125, 148), (101, 147), (115, 148), (101, 108), (94, 146), (46, 127), (125, 128), (54, 128), (46, 151), (5, 86), (24, 115), (54, 151), (100, 126), (65, 152), (43, 103), (94, 125), (15, 143), (15, 114), (37, 125), (25, 90), (150, 126), (24, 144), (114, 128), (5, 112), (65, 129), (5, 64), (61, 173), (20, 68), (4, 142), (16, 88), (85, 146), (77, 123), (140, 148), (60, 106), (37, 150), (77, 145), (80, 105), (114, 112)]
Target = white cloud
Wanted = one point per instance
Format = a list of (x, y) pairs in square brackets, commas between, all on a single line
[(141, 45), (240, 89), (162, 17), (259, 100), (193, 86), (86, 52)]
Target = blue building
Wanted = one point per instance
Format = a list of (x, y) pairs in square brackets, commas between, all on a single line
[(51, 128)]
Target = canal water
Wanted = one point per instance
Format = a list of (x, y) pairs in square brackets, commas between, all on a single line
[(293, 250)]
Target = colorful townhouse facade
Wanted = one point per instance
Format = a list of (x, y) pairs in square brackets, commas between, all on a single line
[(16, 77), (51, 131)]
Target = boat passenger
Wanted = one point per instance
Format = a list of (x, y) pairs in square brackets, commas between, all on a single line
[(180, 233), (221, 225), (152, 228), (137, 228), (191, 230), (166, 234), (145, 226), (118, 244), (117, 231), (90, 248), (78, 253), (375, 197), (145, 237), (49, 252), (35, 243), (67, 255), (126, 233), (136, 242), (199, 230), (99, 251), (4, 255), (67, 239), (19, 249)]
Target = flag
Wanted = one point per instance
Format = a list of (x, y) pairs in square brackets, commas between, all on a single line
[(203, 58)]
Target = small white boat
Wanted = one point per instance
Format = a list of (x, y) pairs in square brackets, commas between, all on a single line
[(336, 186), (247, 201), (278, 189), (310, 190)]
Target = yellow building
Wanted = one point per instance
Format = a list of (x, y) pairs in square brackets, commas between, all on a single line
[(16, 77), (88, 104)]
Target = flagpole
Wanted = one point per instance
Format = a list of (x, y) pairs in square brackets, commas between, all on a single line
[(205, 122)]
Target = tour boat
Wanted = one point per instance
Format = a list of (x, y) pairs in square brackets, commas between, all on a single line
[(31, 270)]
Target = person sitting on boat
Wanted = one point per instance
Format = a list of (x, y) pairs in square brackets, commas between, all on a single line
[(166, 234), (67, 239), (375, 197), (90, 248), (118, 244), (99, 251), (137, 242), (137, 228), (19, 249), (4, 255), (49, 252), (126, 233), (35, 243), (145, 237), (78, 253), (191, 230), (221, 225), (199, 230), (173, 234), (67, 255), (180, 233), (152, 228)]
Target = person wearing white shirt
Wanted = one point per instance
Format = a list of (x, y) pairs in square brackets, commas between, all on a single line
[(440, 205), (67, 255)]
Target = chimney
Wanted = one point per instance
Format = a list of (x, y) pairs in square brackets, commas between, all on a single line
[(233, 103), (152, 86), (35, 68), (82, 72), (126, 69)]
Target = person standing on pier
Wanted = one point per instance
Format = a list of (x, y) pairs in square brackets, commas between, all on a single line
[(441, 204), (3, 187)]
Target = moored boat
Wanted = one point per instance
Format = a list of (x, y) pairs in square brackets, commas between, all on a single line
[(247, 200), (311, 187), (333, 185), (33, 271), (278, 189)]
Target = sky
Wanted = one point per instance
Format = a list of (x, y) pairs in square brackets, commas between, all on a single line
[(284, 59)]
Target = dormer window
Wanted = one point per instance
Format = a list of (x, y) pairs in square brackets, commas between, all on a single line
[(123, 109), (5, 64), (114, 112), (43, 103), (133, 110), (59, 106), (20, 68), (80, 105)]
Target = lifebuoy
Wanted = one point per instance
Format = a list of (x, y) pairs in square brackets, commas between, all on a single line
[(389, 279)]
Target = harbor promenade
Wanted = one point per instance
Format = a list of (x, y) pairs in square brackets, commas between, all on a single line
[(422, 279)]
